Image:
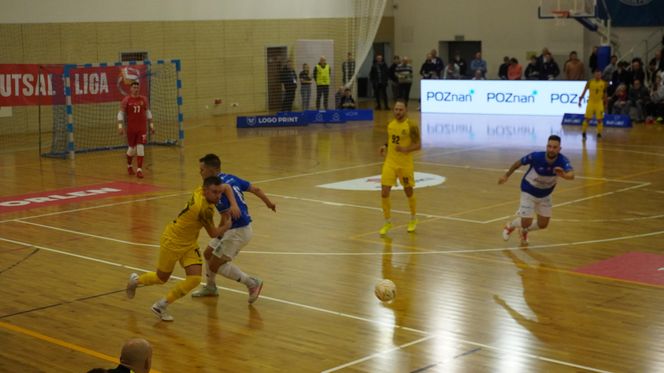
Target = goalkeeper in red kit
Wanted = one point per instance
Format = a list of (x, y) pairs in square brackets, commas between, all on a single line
[(135, 111)]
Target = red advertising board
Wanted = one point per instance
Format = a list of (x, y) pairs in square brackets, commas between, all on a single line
[(32, 84)]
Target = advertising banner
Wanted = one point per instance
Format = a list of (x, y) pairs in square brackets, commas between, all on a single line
[(502, 97), (31, 84)]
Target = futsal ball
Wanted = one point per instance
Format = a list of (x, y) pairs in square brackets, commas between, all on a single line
[(385, 290)]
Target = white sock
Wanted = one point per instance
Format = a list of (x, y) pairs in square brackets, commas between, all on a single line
[(533, 226), (163, 303), (233, 272), (210, 276)]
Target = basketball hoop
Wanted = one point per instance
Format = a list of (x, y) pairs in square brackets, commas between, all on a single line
[(560, 16)]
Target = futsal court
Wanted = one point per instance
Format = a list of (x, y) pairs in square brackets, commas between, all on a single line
[(584, 295)]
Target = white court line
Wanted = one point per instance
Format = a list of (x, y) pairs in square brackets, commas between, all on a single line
[(576, 200), (87, 234), (283, 301), (505, 351), (327, 311), (443, 252), (521, 171), (341, 204)]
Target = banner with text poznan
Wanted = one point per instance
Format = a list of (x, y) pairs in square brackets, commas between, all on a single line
[(504, 97)]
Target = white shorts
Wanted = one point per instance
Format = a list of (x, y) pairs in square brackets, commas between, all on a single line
[(531, 205), (231, 242)]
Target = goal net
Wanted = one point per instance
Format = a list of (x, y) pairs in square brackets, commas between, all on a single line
[(84, 112)]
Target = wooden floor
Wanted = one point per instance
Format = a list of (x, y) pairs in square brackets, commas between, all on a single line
[(467, 301)]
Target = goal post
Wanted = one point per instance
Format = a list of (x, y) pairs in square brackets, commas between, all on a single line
[(85, 118)]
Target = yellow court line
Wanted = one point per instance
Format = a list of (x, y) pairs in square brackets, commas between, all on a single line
[(62, 343)]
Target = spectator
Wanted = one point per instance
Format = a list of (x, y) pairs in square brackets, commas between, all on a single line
[(658, 61), (428, 69), (478, 75), (532, 70), (404, 73), (635, 71), (573, 68), (655, 107), (515, 70), (607, 74), (478, 64), (347, 101), (337, 97), (136, 356), (461, 63), (502, 69), (289, 83), (322, 79), (549, 69), (348, 70), (452, 71), (619, 102), (438, 62), (394, 81), (378, 76), (620, 76), (592, 60), (305, 86), (639, 97)]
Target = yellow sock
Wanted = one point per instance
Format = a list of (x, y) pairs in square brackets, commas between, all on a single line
[(149, 278), (412, 203), (584, 125), (600, 126), (387, 207), (182, 288)]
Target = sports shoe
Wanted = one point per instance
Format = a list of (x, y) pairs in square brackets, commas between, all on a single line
[(524, 236), (507, 231), (599, 136), (139, 174), (583, 136), (256, 290), (205, 291), (131, 285), (161, 312), (386, 227), (412, 225), (130, 170)]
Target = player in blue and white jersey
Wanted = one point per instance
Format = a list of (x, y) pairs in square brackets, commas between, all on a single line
[(536, 187), (221, 251)]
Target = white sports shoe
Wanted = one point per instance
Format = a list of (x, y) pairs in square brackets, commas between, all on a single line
[(524, 236), (507, 231), (131, 285), (256, 290), (161, 312), (205, 291)]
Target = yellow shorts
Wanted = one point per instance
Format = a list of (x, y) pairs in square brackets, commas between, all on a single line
[(595, 109), (390, 174), (169, 254)]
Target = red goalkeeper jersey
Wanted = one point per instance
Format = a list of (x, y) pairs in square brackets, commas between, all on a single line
[(135, 109)]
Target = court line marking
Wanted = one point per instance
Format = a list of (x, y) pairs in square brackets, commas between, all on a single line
[(476, 344), (61, 343), (318, 309), (468, 167)]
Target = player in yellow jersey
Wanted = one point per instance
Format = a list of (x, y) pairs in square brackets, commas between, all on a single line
[(179, 243), (403, 138), (596, 102)]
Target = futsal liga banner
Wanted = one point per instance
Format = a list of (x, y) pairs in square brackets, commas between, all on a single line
[(33, 84)]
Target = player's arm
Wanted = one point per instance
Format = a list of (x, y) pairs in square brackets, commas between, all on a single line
[(121, 117), (260, 194), (415, 141), (585, 89), (219, 230), (148, 114), (228, 192), (567, 175), (515, 166)]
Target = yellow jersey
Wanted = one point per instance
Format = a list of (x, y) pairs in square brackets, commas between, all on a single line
[(402, 134), (596, 89), (198, 213)]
